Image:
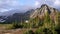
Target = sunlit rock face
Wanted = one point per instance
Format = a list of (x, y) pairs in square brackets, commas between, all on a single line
[(43, 10)]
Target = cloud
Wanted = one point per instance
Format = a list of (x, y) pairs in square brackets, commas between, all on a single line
[(36, 3), (9, 2), (57, 2), (54, 3), (3, 10), (6, 5)]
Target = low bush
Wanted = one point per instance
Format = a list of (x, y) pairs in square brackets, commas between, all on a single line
[(39, 31), (29, 32), (15, 26)]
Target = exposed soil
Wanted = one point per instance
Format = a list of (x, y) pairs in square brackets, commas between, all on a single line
[(14, 31)]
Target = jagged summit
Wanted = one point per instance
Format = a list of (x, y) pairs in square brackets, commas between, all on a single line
[(44, 5), (40, 12)]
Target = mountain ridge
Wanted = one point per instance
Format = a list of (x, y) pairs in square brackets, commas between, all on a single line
[(40, 12)]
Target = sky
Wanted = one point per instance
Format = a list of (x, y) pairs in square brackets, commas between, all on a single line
[(7, 5)]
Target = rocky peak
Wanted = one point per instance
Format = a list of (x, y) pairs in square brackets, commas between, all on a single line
[(43, 10), (44, 5)]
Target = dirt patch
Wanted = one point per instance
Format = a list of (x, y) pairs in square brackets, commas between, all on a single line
[(14, 31)]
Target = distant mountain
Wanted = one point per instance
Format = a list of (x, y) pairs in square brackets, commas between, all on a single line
[(19, 17), (11, 12), (40, 12), (3, 18)]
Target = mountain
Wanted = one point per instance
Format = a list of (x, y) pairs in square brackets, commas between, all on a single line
[(11, 12), (45, 13), (43, 10), (19, 17), (31, 14)]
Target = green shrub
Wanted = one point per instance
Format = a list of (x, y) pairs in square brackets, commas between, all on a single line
[(26, 25), (40, 23), (29, 32), (8, 26), (39, 31), (57, 29), (17, 26), (47, 31)]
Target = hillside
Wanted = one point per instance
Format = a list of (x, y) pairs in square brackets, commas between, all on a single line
[(45, 12), (43, 20)]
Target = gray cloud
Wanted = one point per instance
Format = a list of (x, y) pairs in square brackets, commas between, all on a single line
[(52, 3), (6, 5)]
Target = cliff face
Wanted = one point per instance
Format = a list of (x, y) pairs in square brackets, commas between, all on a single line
[(43, 11)]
